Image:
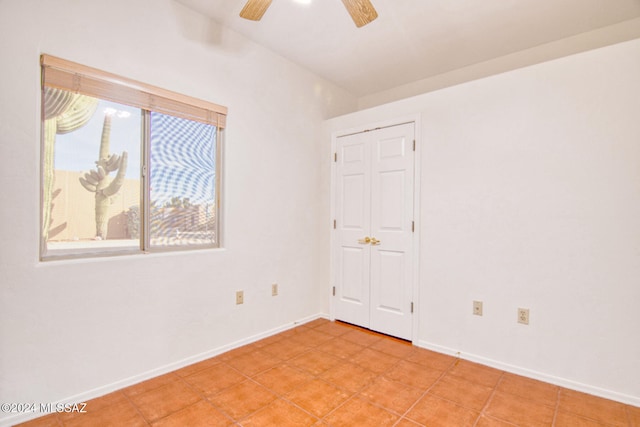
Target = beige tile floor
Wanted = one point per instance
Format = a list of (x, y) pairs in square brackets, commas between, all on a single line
[(332, 374)]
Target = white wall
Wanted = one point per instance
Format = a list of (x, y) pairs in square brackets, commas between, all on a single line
[(82, 327), (530, 197)]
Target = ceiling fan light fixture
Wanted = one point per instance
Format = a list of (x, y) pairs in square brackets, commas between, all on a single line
[(362, 11), (254, 9)]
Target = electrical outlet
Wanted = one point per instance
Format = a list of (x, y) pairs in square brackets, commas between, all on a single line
[(240, 297), (523, 316), (274, 289), (477, 308)]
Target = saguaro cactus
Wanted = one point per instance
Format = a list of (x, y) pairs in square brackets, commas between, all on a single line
[(64, 112), (97, 180)]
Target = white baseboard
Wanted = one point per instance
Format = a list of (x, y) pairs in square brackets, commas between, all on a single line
[(573, 385), (108, 388)]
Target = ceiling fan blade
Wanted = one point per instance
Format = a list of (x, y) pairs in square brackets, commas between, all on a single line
[(254, 9), (361, 11)]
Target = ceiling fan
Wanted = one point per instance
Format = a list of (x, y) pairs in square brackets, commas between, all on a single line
[(361, 11)]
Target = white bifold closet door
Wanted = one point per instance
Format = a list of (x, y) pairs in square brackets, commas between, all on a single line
[(374, 229)]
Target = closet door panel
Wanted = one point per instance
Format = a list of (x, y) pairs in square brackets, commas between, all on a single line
[(353, 206), (391, 219)]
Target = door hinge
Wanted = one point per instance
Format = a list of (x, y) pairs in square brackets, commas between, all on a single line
[(335, 157), (414, 145), (412, 307), (413, 226), (334, 224), (334, 291)]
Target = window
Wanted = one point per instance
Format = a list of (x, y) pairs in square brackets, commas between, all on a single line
[(126, 167)]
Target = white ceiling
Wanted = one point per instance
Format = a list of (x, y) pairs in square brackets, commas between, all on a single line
[(412, 39)]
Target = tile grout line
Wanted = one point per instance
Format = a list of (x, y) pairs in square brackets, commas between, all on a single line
[(453, 363), (283, 397), (136, 406), (285, 362), (378, 375), (315, 377), (488, 402), (124, 395), (205, 398), (58, 420), (324, 418), (355, 394), (401, 416), (555, 412)]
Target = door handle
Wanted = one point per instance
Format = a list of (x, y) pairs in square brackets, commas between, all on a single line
[(365, 241), (375, 242)]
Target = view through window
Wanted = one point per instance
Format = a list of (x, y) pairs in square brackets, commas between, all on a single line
[(118, 178), (182, 182)]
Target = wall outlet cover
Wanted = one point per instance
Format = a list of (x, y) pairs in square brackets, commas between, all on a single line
[(477, 308), (523, 316)]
